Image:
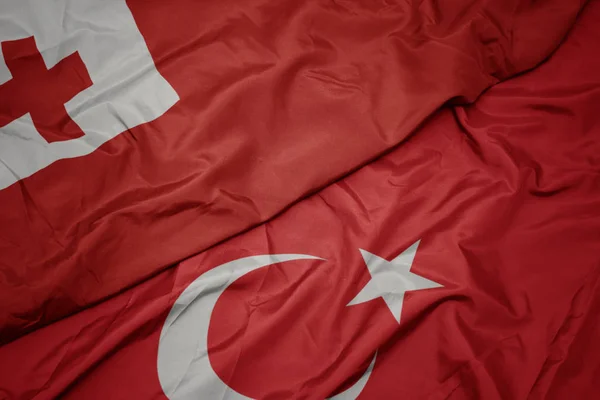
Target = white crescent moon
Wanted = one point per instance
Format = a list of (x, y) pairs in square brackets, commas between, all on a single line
[(184, 369)]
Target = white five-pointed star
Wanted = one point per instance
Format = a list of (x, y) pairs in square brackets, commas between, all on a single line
[(391, 279)]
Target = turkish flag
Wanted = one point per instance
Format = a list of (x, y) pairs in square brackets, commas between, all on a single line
[(462, 265), (136, 134)]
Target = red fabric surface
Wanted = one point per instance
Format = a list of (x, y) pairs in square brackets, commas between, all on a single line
[(277, 100), (504, 195)]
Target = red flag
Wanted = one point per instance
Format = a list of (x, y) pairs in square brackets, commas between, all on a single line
[(488, 216), (136, 134)]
